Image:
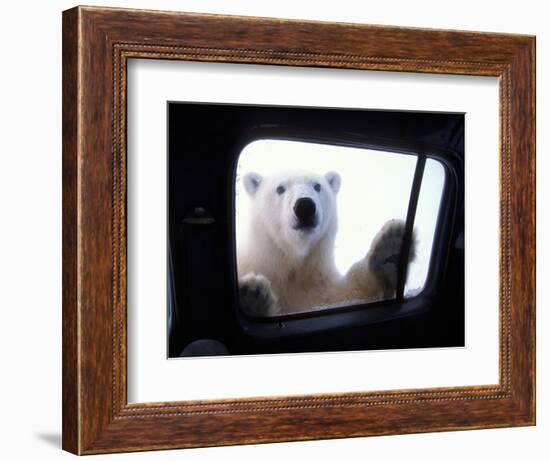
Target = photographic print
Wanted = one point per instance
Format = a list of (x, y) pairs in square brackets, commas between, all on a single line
[(304, 229)]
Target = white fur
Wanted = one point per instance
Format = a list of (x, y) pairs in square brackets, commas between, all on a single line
[(285, 270)]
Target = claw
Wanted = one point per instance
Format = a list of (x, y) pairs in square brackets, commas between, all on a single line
[(256, 296)]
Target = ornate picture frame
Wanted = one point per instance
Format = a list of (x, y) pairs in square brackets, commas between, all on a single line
[(97, 44)]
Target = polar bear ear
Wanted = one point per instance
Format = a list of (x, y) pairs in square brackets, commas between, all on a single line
[(334, 181), (252, 182)]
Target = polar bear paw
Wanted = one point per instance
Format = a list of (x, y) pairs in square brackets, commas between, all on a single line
[(385, 251), (256, 296)]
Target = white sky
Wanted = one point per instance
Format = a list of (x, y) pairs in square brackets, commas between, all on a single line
[(375, 188)]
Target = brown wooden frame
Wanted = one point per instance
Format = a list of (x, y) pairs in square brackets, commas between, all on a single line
[(97, 43)]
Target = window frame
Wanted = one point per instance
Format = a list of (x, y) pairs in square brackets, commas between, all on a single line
[(361, 314)]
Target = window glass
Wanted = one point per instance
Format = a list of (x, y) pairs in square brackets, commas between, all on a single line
[(425, 223), (307, 215)]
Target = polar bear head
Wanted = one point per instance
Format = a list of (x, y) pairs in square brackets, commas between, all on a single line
[(296, 210)]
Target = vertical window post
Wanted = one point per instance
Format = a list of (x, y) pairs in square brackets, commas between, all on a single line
[(403, 263)]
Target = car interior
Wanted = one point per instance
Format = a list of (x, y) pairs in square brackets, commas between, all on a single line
[(204, 143)]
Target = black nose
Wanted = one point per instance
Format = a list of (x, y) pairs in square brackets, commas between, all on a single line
[(304, 209)]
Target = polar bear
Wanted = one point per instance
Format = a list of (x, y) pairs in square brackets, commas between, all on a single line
[(286, 264)]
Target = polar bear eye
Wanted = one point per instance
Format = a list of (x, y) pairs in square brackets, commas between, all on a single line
[(280, 190), (317, 187)]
